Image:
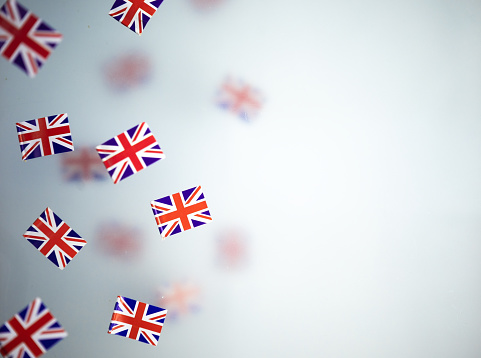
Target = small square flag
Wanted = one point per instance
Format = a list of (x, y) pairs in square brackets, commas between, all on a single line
[(31, 332), (181, 211), (44, 136), (130, 152), (137, 320), (54, 238), (134, 14)]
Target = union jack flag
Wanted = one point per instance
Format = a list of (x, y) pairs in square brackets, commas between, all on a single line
[(181, 298), (30, 333), (25, 40), (134, 14), (130, 152), (44, 136), (83, 164), (137, 320), (181, 211), (54, 239), (239, 98)]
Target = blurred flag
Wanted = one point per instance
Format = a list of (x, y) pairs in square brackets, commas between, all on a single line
[(83, 164), (137, 320), (180, 298), (232, 249), (130, 152), (239, 98), (31, 332), (54, 238), (134, 14), (205, 4), (119, 240), (128, 71), (181, 211), (44, 136), (25, 40)]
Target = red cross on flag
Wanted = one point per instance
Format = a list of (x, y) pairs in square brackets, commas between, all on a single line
[(54, 239), (137, 320), (44, 136), (130, 152), (181, 211), (31, 332), (134, 14), (25, 40)]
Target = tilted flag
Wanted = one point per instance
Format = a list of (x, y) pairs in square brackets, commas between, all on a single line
[(44, 136), (130, 152), (137, 320), (25, 40), (239, 98), (134, 14), (83, 164), (181, 211), (30, 333), (54, 239)]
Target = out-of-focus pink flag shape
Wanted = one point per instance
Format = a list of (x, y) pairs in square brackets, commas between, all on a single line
[(180, 297), (240, 98)]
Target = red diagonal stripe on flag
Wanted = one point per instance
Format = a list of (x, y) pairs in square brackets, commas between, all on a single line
[(182, 211), (25, 335), (130, 151), (55, 238), (21, 36)]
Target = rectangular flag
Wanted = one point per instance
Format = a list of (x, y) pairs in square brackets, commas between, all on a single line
[(239, 98), (31, 332), (134, 14), (54, 239), (137, 320), (44, 136), (25, 40), (181, 211), (130, 152)]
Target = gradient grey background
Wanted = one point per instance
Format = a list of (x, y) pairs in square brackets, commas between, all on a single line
[(358, 183)]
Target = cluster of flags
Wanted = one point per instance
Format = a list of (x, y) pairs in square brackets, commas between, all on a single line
[(27, 41)]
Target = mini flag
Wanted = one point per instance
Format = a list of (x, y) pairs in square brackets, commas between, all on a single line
[(181, 298), (119, 240), (25, 40), (181, 211), (130, 152), (137, 320), (83, 164), (54, 238), (128, 71), (134, 14), (30, 333), (239, 98), (44, 136)]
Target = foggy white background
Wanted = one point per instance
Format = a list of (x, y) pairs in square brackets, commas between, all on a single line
[(358, 184)]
